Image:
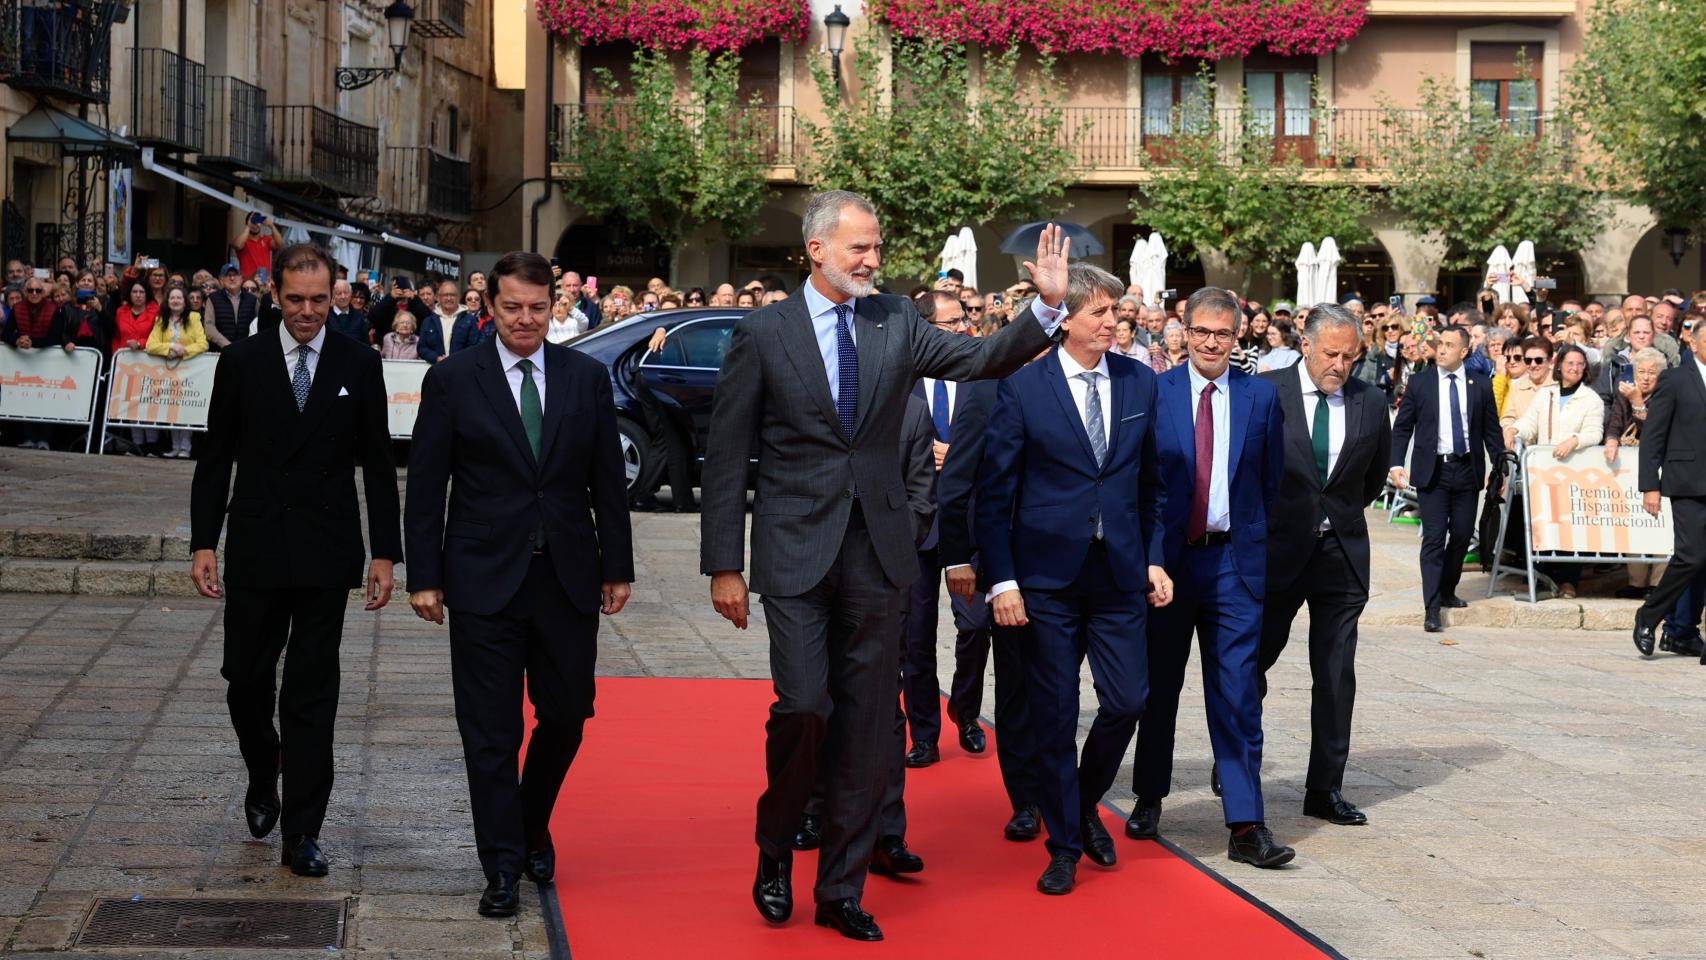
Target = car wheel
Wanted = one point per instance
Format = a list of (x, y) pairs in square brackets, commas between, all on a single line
[(642, 458)]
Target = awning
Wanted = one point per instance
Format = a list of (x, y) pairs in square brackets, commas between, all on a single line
[(404, 253), (72, 134)]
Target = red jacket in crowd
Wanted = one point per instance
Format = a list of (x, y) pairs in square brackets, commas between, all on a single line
[(32, 320), (133, 326)]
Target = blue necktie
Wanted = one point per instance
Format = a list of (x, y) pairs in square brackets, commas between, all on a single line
[(847, 364), (1459, 445), (939, 404)]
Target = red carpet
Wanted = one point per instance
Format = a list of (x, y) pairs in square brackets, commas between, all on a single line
[(655, 856)]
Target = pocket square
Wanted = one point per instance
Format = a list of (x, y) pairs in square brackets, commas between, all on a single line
[(343, 391), (1132, 417)]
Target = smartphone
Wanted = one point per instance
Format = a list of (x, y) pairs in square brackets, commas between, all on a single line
[(1545, 283), (591, 286), (996, 299), (41, 273), (554, 262), (1395, 302), (149, 263), (257, 218), (1169, 294)]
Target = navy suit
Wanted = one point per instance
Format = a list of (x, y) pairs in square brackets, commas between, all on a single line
[(464, 332), (1041, 499), (1217, 590)]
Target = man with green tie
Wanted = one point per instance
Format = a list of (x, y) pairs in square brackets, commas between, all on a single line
[(1336, 438), (536, 545)]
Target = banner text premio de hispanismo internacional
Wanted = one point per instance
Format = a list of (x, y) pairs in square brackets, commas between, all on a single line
[(1583, 505)]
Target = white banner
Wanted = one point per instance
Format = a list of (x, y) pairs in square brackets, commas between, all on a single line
[(49, 385), (403, 394), (155, 392), (118, 216), (1580, 504)]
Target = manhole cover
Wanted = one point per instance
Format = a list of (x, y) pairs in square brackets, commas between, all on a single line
[(263, 924)]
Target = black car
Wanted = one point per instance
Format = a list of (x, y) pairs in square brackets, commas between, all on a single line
[(680, 379)]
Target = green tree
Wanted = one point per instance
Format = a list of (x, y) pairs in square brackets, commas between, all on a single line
[(1639, 90), (668, 165), (1228, 187), (1479, 180), (934, 154)]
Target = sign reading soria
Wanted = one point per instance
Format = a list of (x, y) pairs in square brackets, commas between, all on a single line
[(1579, 504), (154, 392), (1172, 28), (48, 384), (677, 24)]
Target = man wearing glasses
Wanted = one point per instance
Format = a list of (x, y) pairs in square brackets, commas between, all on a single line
[(974, 307)]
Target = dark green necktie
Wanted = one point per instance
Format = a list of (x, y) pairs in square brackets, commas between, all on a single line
[(532, 421), (1319, 435)]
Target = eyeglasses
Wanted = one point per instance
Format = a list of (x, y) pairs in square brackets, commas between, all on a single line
[(953, 324), (1393, 326), (1379, 316), (1203, 333), (980, 310), (1535, 361), (34, 290)]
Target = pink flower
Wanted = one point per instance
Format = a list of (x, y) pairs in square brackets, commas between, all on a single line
[(677, 24)]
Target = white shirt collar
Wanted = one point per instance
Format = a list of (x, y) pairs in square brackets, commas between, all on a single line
[(1309, 385), (1461, 373), (1198, 381), (509, 359), (1073, 368), (289, 343), (817, 304)]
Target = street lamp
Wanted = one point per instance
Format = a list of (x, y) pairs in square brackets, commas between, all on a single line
[(1676, 241), (398, 17), (835, 25)]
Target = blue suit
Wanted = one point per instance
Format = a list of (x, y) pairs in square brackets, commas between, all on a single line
[(1217, 590), (464, 332), (1040, 496)]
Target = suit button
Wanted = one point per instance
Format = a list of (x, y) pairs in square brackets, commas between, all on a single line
[(846, 494), (531, 537), (541, 494)]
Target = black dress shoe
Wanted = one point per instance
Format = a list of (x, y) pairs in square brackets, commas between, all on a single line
[(1454, 602), (1025, 824), (1062, 872), (1328, 805), (1430, 621), (922, 755), (891, 857), (260, 808), (500, 898), (1256, 847), (1098, 845), (1214, 780), (1145, 820), (850, 921), (541, 863), (972, 739), (773, 890), (1645, 637), (810, 834), (1682, 644), (302, 855)]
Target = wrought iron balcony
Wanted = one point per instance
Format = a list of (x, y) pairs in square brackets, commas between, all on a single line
[(422, 183), (440, 19), (236, 124), (771, 126), (58, 48), (169, 101), (315, 148)]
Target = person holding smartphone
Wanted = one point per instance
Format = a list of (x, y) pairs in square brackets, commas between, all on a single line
[(255, 242)]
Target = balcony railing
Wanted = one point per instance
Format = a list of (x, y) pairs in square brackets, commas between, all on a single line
[(57, 48), (312, 147), (771, 126), (236, 124), (441, 19), (170, 100), (421, 182)]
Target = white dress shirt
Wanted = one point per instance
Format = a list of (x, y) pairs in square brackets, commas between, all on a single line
[(512, 372), (1445, 439), (291, 347), (1219, 509), (930, 396), (821, 310), (1335, 423), (1700, 368)]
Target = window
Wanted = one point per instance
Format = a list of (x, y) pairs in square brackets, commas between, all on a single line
[(699, 345), (453, 134), (1282, 94), (1506, 77), (1175, 95), (616, 56)]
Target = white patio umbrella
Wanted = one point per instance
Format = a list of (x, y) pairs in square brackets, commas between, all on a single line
[(968, 257), (950, 255), (1524, 270), (1306, 275), (1157, 275), (1499, 267), (1138, 265), (1326, 272)]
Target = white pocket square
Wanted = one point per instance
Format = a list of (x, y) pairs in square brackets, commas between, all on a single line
[(343, 391), (1132, 417)]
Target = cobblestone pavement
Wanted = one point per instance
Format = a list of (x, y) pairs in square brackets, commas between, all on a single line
[(1532, 793)]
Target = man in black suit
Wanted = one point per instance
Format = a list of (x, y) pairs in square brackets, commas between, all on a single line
[(1336, 438), (1672, 460), (919, 685), (1450, 413), (536, 545), (298, 408)]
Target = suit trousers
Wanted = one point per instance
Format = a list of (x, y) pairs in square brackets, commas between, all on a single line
[(919, 682), (1211, 599), (1688, 519), (1448, 510), (1015, 748), (1336, 599), (542, 642), (1097, 619), (832, 663), (261, 625)]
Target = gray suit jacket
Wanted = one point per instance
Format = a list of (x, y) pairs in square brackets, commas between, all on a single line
[(773, 405)]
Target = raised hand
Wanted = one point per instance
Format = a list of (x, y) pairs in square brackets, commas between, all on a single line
[(1048, 271)]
